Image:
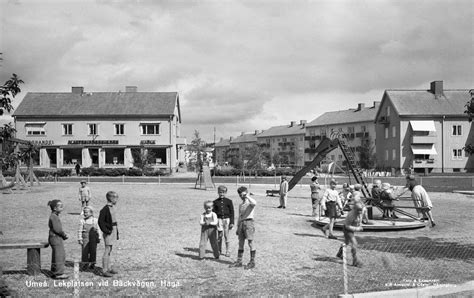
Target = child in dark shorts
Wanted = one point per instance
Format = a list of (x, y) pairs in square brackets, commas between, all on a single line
[(208, 223), (246, 227)]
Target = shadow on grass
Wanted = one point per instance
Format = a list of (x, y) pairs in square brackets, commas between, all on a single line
[(74, 213), (309, 235), (321, 258), (299, 214), (419, 247), (196, 257)]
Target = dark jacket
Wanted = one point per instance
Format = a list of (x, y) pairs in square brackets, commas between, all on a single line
[(56, 233), (105, 220), (224, 208)]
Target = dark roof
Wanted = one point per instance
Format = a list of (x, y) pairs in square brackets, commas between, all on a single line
[(345, 116), (223, 143), (283, 130), (99, 104), (424, 103), (245, 138)]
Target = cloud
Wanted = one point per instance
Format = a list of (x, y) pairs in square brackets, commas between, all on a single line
[(241, 65)]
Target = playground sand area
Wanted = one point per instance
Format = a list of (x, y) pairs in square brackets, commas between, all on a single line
[(157, 253)]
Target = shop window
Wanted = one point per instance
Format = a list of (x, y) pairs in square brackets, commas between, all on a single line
[(119, 129), (71, 156), (67, 129), (114, 156), (33, 129), (150, 129)]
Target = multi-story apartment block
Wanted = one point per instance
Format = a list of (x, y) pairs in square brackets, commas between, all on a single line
[(425, 130), (284, 144), (102, 129), (221, 150), (357, 125), (241, 146)]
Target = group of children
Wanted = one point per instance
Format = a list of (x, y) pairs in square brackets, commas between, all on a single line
[(89, 234), (218, 219)]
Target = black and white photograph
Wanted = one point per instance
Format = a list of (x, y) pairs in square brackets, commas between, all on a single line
[(319, 148)]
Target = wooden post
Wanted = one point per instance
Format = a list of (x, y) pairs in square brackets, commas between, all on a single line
[(344, 268), (33, 261)]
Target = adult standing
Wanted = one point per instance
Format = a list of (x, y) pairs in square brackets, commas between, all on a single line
[(315, 194), (283, 192), (78, 169), (421, 199)]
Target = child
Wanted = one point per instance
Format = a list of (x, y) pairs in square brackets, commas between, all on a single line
[(330, 202), (283, 192), (376, 191), (208, 231), (421, 199), (246, 228), (315, 190), (88, 237), (55, 239), (346, 196), (387, 199), (108, 225), (352, 225), (85, 194), (224, 208)]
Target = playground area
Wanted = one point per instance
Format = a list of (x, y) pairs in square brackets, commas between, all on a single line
[(157, 253)]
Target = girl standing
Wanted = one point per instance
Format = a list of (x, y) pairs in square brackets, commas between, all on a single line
[(55, 239)]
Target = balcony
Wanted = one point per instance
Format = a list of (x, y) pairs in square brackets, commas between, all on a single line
[(423, 163), (428, 139)]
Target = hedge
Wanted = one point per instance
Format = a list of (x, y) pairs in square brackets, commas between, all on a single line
[(247, 172), (41, 173), (121, 171)]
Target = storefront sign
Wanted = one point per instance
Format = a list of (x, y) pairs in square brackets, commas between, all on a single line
[(93, 142), (42, 142), (147, 142)]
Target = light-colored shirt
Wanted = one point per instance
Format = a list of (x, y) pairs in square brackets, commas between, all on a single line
[(331, 195), (91, 221), (283, 188), (112, 212), (85, 193), (246, 209), (209, 219)]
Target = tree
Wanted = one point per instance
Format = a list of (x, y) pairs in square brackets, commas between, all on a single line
[(469, 148), (142, 157), (8, 91), (198, 151), (366, 154)]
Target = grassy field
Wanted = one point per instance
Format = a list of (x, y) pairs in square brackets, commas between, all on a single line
[(157, 253)]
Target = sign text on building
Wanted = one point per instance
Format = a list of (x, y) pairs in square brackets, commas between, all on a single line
[(147, 142), (93, 142), (42, 142)]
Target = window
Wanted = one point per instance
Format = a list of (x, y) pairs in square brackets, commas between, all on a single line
[(350, 129), (394, 131), (332, 157), (363, 128), (388, 111), (67, 129), (457, 153), (35, 129), (323, 132), (394, 154), (340, 156), (386, 154), (93, 129), (386, 132), (150, 129), (119, 129), (457, 130)]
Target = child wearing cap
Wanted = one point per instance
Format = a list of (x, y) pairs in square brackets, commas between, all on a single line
[(330, 202), (208, 223), (56, 240), (85, 193), (88, 236)]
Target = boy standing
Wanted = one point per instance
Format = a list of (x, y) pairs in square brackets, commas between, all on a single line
[(352, 224), (88, 237), (85, 194), (208, 223), (108, 225), (224, 208), (246, 227), (283, 192), (330, 202)]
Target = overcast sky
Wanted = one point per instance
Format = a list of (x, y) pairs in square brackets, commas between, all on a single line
[(240, 65)]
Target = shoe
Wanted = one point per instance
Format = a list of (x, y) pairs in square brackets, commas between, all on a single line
[(325, 232), (358, 264), (332, 237), (394, 216), (280, 207), (236, 264), (61, 276), (284, 207), (250, 265), (433, 224), (339, 253), (112, 271), (227, 254), (107, 274)]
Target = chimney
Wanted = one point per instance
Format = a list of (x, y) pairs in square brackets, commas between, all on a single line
[(77, 90), (256, 132), (222, 139), (376, 104), (303, 122), (437, 89), (292, 123), (131, 88), (242, 133), (360, 106), (230, 138)]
